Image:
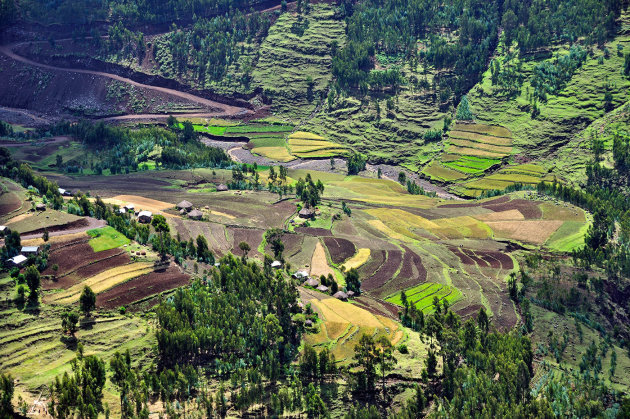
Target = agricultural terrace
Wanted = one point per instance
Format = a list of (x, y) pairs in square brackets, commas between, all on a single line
[(470, 150), (524, 174), (307, 145), (422, 296)]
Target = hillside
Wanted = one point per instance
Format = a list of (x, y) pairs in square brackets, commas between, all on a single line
[(313, 208)]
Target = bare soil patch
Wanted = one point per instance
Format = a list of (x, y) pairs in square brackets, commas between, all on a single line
[(251, 236), (319, 263), (312, 231), (339, 249), (531, 231), (142, 287)]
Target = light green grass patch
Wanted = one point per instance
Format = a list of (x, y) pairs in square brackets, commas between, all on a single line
[(568, 237), (106, 238), (422, 296)]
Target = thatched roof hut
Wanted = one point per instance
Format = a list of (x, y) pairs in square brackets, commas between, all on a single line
[(40, 207), (306, 213), (221, 187), (311, 282), (322, 288), (350, 294), (195, 215), (341, 295), (185, 205)]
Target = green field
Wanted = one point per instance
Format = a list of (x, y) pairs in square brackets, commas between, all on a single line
[(106, 238), (422, 296), (570, 236)]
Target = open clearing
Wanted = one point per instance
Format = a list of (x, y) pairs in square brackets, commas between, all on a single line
[(319, 263), (106, 238)]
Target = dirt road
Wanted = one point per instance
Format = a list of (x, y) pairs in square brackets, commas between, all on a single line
[(223, 109)]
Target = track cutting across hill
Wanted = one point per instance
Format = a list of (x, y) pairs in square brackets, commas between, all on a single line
[(223, 110)]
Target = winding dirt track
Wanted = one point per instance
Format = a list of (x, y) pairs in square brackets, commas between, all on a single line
[(223, 109)]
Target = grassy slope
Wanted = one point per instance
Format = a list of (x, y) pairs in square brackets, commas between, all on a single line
[(287, 59), (564, 116)]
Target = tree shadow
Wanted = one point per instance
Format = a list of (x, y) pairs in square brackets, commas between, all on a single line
[(87, 323), (70, 342)]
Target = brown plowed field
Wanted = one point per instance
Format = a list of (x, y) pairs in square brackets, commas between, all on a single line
[(385, 273), (312, 231), (251, 236), (506, 261), (339, 249), (529, 209), (412, 273), (9, 202), (462, 257), (142, 287), (381, 308), (83, 222), (377, 258), (292, 244), (499, 200), (78, 257), (480, 262)]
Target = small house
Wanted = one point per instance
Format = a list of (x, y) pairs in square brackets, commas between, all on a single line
[(122, 210), (195, 215), (4, 230), (306, 213), (18, 260), (340, 295), (221, 187), (40, 207), (276, 264), (322, 288), (308, 323), (130, 207), (350, 294), (145, 216), (311, 282), (64, 192), (185, 205), (30, 250)]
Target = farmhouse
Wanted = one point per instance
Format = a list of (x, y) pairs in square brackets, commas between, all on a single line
[(145, 216), (122, 210), (195, 215), (276, 264), (221, 187), (40, 207), (3, 230), (129, 207), (18, 260), (64, 192), (30, 250), (322, 288), (306, 213), (185, 205)]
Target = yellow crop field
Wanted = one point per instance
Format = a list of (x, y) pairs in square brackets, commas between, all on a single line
[(494, 130), (274, 153), (509, 215), (103, 281), (530, 231), (481, 146), (377, 191), (319, 264), (357, 260), (305, 141), (306, 135), (473, 152), (139, 202), (378, 224), (462, 227), (343, 324), (488, 139)]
